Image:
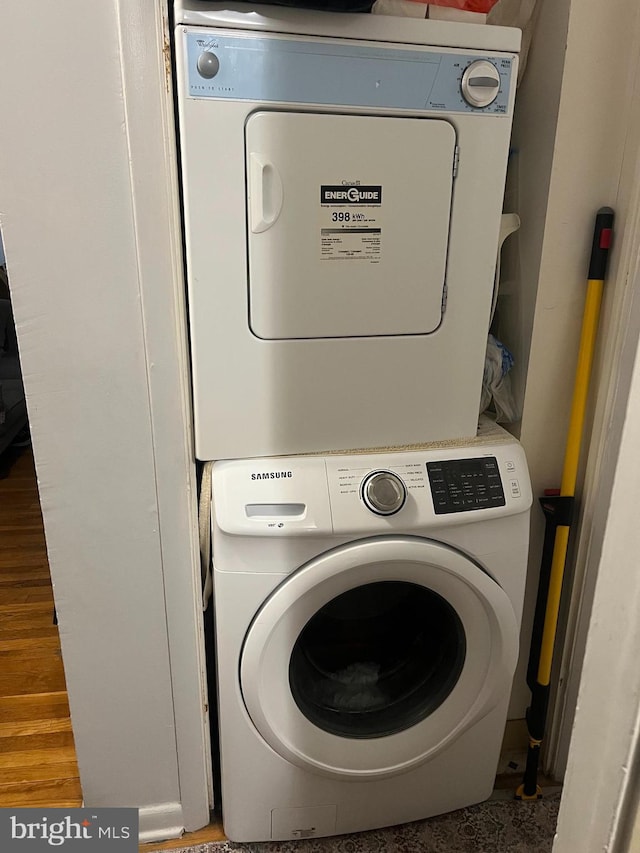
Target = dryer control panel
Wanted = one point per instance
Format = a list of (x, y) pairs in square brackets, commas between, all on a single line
[(241, 66)]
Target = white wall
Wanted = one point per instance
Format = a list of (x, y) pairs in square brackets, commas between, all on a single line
[(529, 176), (572, 123), (88, 213), (620, 328), (530, 164), (587, 158)]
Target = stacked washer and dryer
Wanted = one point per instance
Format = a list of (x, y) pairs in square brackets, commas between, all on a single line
[(343, 179)]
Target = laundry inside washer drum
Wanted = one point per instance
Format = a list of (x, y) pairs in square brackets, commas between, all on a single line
[(377, 659)]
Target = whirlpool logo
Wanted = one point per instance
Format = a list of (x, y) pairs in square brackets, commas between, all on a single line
[(350, 195)]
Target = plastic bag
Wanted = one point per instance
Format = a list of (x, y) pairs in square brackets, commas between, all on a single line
[(496, 383)]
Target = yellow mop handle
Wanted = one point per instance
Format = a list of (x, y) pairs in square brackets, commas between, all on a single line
[(597, 267), (559, 508)]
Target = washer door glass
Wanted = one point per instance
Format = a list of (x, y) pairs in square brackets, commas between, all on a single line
[(376, 655), (377, 659)]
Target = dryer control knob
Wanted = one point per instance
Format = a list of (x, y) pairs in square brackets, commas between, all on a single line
[(480, 83), (383, 492), (208, 65)]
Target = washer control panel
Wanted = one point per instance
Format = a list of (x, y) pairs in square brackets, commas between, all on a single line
[(460, 485), (403, 491)]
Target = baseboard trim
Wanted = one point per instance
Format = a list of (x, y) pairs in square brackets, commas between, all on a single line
[(161, 822)]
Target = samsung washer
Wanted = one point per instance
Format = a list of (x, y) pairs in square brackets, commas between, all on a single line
[(367, 614)]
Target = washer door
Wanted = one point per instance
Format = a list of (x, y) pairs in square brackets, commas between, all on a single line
[(373, 657)]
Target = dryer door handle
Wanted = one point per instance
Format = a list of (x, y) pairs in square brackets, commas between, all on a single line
[(265, 193)]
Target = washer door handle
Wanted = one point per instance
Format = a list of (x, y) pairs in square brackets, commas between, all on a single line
[(265, 193)]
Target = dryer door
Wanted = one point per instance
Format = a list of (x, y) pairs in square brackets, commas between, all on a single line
[(347, 223), (373, 657)]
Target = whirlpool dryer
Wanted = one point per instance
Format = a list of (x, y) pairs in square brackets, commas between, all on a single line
[(367, 612), (343, 180)]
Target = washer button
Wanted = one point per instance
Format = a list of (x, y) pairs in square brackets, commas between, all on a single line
[(515, 489), (510, 466)]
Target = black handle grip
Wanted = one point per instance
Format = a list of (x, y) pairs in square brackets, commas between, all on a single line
[(602, 237)]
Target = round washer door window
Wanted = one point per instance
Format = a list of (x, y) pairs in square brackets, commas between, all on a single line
[(376, 655), (377, 659)]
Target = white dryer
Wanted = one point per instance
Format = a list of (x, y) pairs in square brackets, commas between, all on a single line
[(343, 179), (367, 614)]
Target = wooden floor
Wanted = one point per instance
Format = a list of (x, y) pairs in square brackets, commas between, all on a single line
[(37, 756), (212, 832)]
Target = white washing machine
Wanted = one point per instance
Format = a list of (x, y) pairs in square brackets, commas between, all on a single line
[(343, 179), (367, 613)]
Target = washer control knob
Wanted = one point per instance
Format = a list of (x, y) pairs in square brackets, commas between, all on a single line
[(208, 65), (480, 83), (383, 492)]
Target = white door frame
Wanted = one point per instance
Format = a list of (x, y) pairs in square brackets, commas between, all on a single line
[(151, 135), (600, 798), (90, 215)]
